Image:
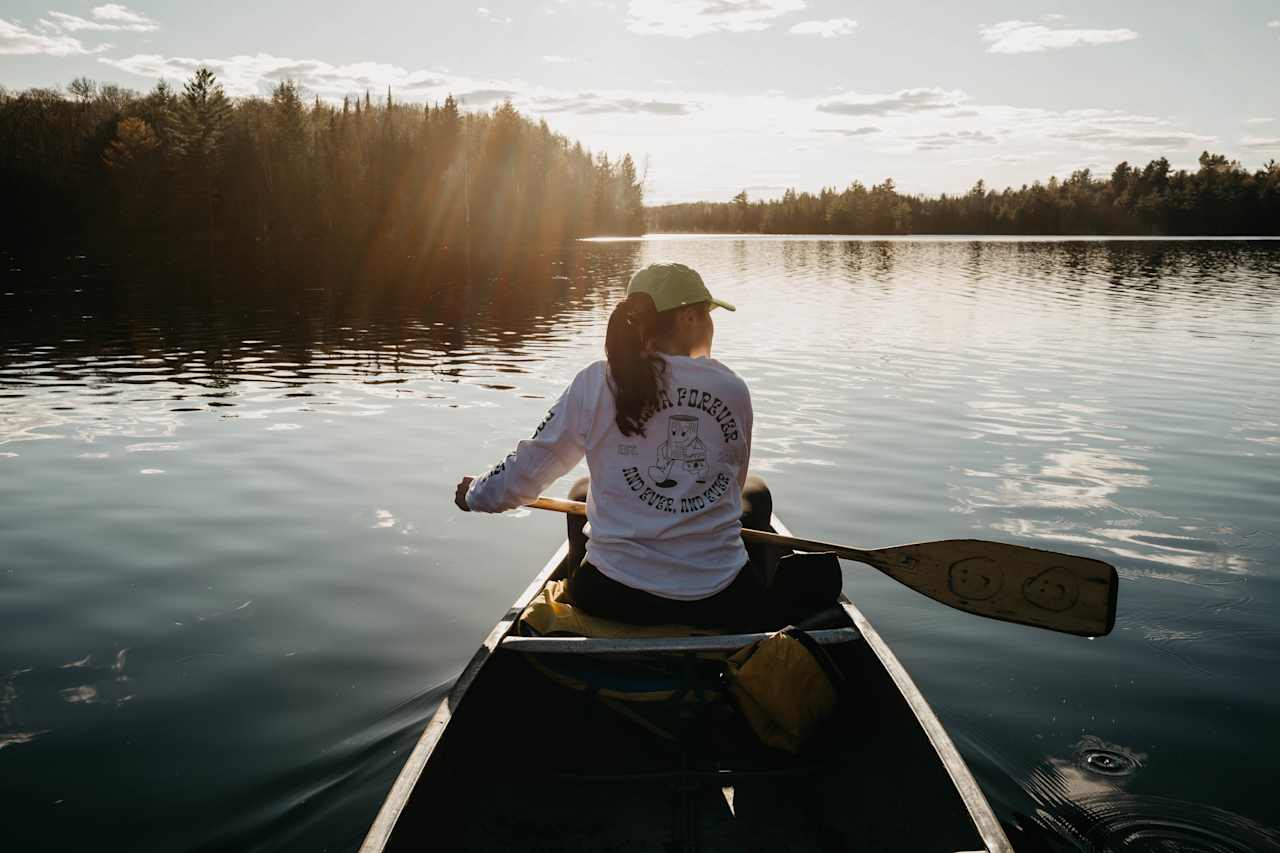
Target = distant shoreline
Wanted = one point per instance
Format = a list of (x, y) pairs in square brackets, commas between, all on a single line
[(1220, 198)]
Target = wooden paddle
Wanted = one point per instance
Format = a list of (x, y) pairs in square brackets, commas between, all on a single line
[(1014, 583)]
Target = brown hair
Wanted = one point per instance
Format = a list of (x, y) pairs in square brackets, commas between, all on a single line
[(636, 372)]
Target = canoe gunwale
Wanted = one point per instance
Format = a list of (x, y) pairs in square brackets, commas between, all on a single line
[(975, 802), (380, 832)]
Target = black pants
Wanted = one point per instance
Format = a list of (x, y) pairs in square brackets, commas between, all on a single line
[(739, 606)]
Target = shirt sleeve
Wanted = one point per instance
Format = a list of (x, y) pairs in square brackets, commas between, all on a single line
[(558, 444)]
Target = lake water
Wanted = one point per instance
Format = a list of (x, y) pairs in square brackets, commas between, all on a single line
[(233, 586)]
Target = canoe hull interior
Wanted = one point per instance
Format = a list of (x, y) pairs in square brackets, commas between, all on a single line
[(515, 761), (528, 765)]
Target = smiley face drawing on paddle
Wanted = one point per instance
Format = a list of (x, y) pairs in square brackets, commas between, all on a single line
[(683, 452)]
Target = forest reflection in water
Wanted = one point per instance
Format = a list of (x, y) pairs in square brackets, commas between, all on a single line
[(226, 512)]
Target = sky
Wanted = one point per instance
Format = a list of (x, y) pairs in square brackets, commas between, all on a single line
[(712, 97)]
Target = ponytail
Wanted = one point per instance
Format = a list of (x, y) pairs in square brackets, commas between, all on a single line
[(636, 372)]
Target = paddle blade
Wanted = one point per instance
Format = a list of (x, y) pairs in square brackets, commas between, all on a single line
[(1061, 592)]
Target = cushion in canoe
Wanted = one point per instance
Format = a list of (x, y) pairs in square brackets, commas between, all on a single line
[(633, 678), (550, 614)]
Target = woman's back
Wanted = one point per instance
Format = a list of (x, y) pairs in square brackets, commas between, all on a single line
[(664, 503)]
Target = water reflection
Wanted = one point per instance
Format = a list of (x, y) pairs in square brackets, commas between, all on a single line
[(245, 502), (1067, 479), (37, 696), (153, 357)]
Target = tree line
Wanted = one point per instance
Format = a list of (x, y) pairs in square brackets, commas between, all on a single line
[(369, 186), (1219, 198)]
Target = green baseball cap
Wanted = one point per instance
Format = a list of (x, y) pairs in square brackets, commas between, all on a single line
[(673, 285)]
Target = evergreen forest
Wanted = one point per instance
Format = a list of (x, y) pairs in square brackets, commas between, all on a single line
[(375, 189), (189, 178), (1220, 198)]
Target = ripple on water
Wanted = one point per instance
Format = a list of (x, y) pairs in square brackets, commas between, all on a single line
[(1083, 800), (1107, 759), (1134, 823)]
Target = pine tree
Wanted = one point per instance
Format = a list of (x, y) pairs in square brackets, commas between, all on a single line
[(631, 189), (200, 117), (196, 124)]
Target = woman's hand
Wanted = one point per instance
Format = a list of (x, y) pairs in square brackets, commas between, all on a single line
[(460, 494)]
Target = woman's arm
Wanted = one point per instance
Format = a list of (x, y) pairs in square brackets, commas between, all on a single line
[(558, 444)]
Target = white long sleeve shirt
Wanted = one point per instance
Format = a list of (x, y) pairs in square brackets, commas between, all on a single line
[(663, 508)]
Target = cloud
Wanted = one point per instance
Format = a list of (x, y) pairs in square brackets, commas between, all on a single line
[(826, 29), (923, 118), (1260, 143), (17, 40), (997, 158), (1053, 18), (556, 60), (258, 74), (850, 131), (480, 97), (1027, 37), (591, 104), (1259, 120), (492, 18), (899, 102), (120, 14), (690, 18), (111, 18), (251, 75), (322, 77), (950, 139), (1100, 134), (1105, 133)]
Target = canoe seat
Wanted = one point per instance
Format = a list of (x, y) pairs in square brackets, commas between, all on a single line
[(648, 689), (646, 673), (658, 645), (551, 625)]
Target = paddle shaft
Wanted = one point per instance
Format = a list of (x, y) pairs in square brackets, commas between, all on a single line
[(763, 537), (997, 580)]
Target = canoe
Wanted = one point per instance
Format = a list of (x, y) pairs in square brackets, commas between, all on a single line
[(513, 760)]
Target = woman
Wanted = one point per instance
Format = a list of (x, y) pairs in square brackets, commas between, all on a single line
[(666, 431)]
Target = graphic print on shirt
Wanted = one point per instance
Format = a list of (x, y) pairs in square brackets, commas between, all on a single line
[(682, 449), (684, 479)]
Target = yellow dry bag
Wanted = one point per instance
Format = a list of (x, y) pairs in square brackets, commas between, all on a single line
[(785, 685)]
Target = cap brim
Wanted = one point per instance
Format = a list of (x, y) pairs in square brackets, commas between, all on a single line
[(728, 306)]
